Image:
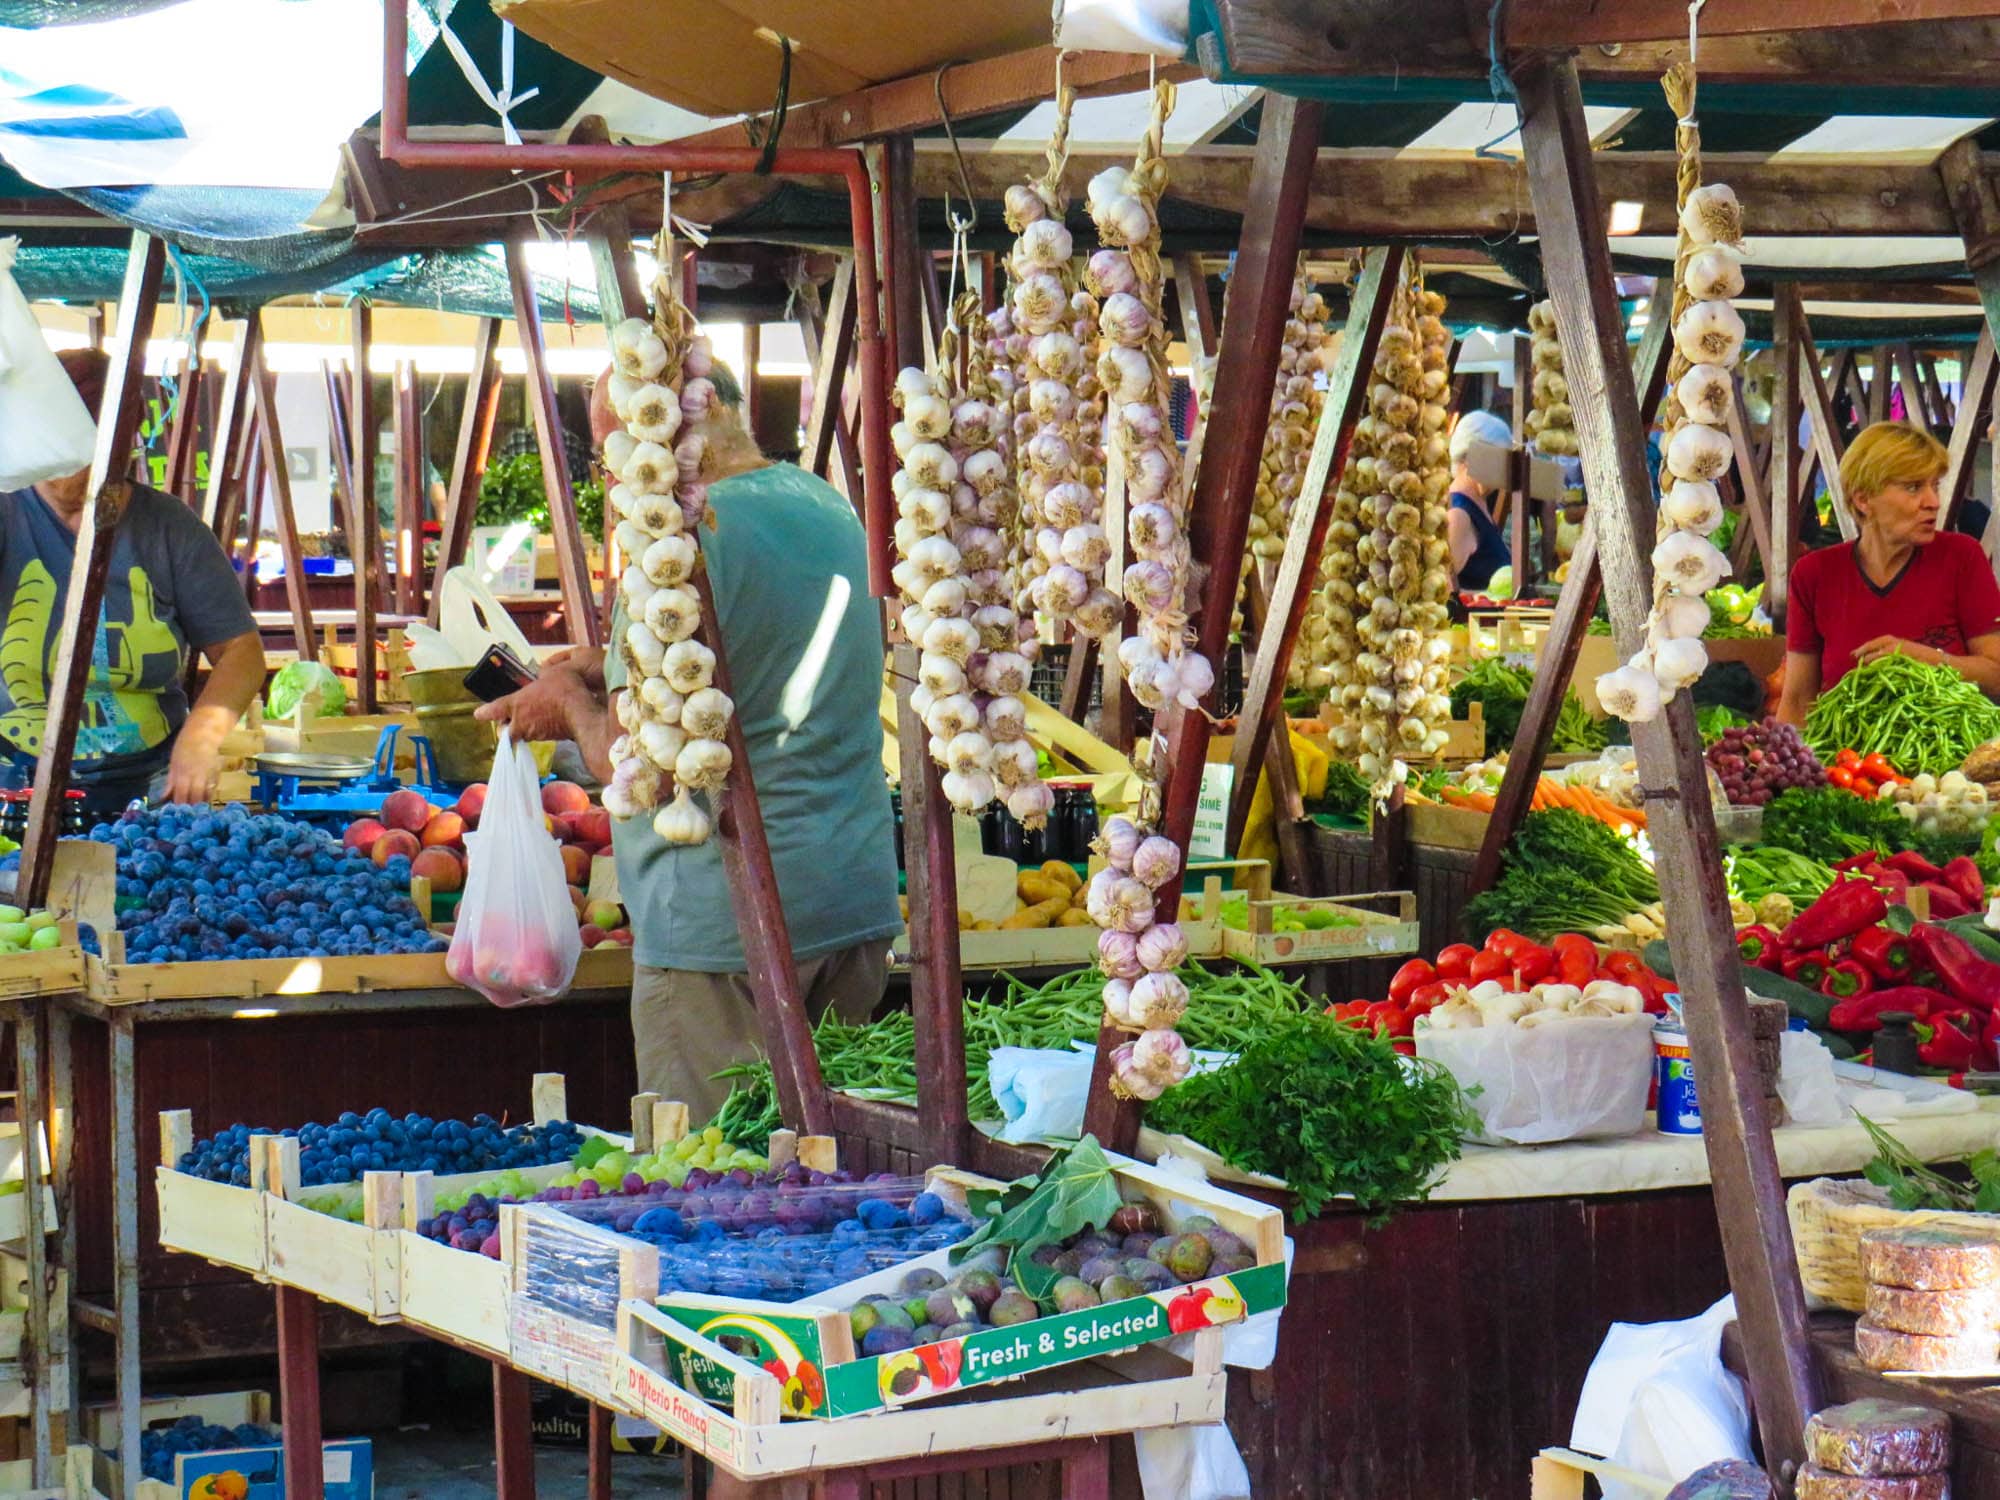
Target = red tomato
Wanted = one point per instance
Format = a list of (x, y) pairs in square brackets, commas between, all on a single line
[(1498, 939), (1876, 767), (1623, 965), (1849, 758), (1532, 965), (1490, 966), (1389, 1018), (1455, 962), (1413, 975), (1841, 776), (1428, 996)]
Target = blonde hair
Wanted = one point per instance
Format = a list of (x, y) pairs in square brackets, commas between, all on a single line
[(1889, 453)]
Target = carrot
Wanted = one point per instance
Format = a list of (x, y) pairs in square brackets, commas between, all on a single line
[(1541, 798), (1482, 802)]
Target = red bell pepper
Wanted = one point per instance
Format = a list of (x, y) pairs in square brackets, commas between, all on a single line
[(1954, 1046), (1893, 884), (1808, 969), (1886, 954), (1868, 859), (1756, 944), (1962, 973), (1914, 865), (1946, 903), (1846, 979), (1622, 964), (1843, 909), (1455, 961), (1412, 976), (1865, 1012), (1963, 876)]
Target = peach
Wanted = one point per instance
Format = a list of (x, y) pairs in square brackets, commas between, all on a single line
[(592, 935), (445, 829), (406, 810), (576, 865), (440, 867), (606, 914), (363, 834), (622, 936), (563, 826), (395, 841), (593, 826), (564, 797), (579, 900), (471, 803)]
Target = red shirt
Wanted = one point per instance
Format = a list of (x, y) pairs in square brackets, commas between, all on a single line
[(1945, 596)]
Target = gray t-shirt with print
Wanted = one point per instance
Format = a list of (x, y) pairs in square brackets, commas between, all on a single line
[(170, 588)]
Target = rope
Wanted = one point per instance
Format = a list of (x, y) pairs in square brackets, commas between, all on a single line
[(1058, 149), (1679, 86)]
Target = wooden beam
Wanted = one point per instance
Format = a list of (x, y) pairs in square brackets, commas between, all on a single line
[(829, 449), (83, 597), (618, 297), (1260, 739), (753, 383), (1826, 440), (1968, 182), (1369, 197), (1225, 484), (228, 434), (1982, 381), (184, 432), (272, 445), (1736, 1130), (1197, 308), (1916, 402), (468, 463), (1784, 463), (1565, 23), (364, 529), (572, 563), (1755, 520), (246, 477), (1940, 404), (407, 423)]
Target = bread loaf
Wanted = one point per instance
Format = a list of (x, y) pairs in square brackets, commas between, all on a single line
[(1873, 1437), (1882, 1349), (1937, 1314), (1928, 1259), (1816, 1483)]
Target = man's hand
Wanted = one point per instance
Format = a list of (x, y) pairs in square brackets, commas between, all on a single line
[(1895, 645), (550, 707), (587, 661)]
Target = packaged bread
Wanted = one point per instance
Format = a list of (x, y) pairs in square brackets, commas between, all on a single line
[(1816, 1483), (1926, 1258), (1937, 1314), (1872, 1437), (1884, 1349)]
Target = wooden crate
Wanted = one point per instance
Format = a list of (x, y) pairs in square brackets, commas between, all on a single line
[(1517, 631), (1371, 934), (392, 664), (76, 1475), (1071, 947), (47, 971), (1445, 827)]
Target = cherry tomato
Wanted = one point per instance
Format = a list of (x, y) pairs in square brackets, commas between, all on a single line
[(1455, 962), (1490, 966), (1413, 975), (1848, 758), (1863, 787), (1841, 776), (1876, 767)]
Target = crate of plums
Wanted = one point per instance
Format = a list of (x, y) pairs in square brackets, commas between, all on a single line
[(860, 1295)]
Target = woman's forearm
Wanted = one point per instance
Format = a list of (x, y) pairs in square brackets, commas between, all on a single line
[(235, 677), (1983, 672)]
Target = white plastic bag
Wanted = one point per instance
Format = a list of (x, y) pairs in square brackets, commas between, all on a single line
[(1041, 1092), (1658, 1400), (471, 619), (1190, 1463), (1565, 1081), (516, 939), (45, 429), (1806, 1082)]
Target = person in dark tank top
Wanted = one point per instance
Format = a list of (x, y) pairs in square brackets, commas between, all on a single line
[(1480, 444)]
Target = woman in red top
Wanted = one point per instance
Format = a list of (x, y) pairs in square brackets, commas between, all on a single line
[(1900, 586)]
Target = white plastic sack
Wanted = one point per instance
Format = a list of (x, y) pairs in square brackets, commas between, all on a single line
[(45, 429), (1156, 26), (516, 939), (1190, 1463), (1565, 1081), (1041, 1092), (470, 619), (1658, 1400), (1806, 1083)]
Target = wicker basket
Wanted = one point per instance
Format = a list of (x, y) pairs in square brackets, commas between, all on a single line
[(1828, 1218)]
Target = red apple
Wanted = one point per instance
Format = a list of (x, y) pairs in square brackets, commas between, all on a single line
[(406, 810), (606, 914), (445, 829), (471, 803), (593, 826), (564, 797), (592, 935), (440, 867), (395, 841), (622, 936), (363, 834), (563, 826), (576, 865)]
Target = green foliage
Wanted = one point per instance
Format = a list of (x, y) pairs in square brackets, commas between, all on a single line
[(1075, 1192), (1502, 692), (1912, 1185), (1829, 825), (1330, 1108), (511, 490), (1346, 791), (1563, 872)]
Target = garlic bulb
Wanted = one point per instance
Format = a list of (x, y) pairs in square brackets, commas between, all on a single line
[(1677, 663), (1697, 451), (1706, 393), (682, 821), (1288, 440), (1550, 424), (1693, 505), (688, 667), (1688, 563), (706, 712), (703, 764), (1712, 216), (1715, 274), (1631, 693), (1710, 333)]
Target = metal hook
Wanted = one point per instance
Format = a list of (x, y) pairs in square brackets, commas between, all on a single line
[(970, 221)]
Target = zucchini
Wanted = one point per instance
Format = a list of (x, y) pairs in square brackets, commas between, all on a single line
[(1809, 1005), (1984, 941)]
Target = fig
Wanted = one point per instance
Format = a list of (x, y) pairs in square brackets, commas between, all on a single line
[(1117, 1287), (983, 1287), (1230, 1265), (956, 1331), (1136, 1218), (1045, 1255), (895, 1315), (1189, 1257), (1150, 1274), (1138, 1243), (927, 1333), (920, 1281), (1161, 1248), (992, 1258), (1073, 1294), (1093, 1244), (1098, 1267), (1012, 1307), (919, 1308), (1222, 1242), (946, 1305), (886, 1340), (1196, 1224), (1068, 1263), (862, 1318)]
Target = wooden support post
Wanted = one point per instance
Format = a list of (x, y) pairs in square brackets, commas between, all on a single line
[(829, 449), (1826, 440), (1847, 377), (1879, 376), (937, 990), (406, 416), (468, 464), (597, 1481), (1077, 676), (1656, 347), (298, 1391), (753, 385), (619, 297), (1197, 309), (227, 437), (1749, 1192), (1755, 522), (364, 528), (97, 527), (184, 432), (572, 564), (1916, 405), (1260, 738), (342, 468), (1975, 206), (1969, 428), (270, 436), (513, 1444), (1781, 482), (93, 326), (246, 475), (26, 1017), (1942, 414), (1225, 485)]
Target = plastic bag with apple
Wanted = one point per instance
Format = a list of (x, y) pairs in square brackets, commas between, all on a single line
[(515, 940)]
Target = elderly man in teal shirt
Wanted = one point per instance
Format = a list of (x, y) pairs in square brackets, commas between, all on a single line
[(787, 561)]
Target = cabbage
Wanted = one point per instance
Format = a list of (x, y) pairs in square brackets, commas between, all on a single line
[(1501, 584), (290, 686)]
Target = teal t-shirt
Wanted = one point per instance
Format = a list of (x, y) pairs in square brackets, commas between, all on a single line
[(788, 563)]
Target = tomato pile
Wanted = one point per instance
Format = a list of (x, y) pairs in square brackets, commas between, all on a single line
[(1864, 775), (1519, 963)]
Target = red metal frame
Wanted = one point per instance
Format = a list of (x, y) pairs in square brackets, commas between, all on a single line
[(848, 165)]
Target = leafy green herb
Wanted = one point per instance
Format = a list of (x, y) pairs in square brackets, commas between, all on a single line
[(1829, 825), (1346, 791), (1754, 871), (1563, 872), (1332, 1110), (1074, 1192), (1712, 718), (1576, 733), (1502, 691), (512, 490), (1913, 1185)]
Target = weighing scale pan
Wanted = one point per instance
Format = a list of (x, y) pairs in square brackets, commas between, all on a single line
[(309, 766)]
